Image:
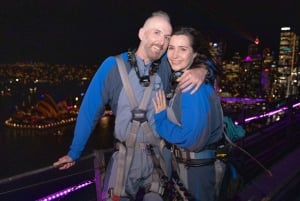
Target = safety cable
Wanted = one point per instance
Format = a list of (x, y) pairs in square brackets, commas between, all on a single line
[(248, 154)]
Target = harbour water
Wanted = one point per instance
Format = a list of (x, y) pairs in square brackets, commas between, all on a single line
[(24, 151), (27, 150)]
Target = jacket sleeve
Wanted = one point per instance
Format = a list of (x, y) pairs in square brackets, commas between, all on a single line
[(91, 109), (194, 111)]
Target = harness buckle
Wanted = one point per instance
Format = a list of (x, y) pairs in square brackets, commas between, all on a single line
[(139, 115)]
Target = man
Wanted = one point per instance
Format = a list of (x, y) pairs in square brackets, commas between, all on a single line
[(146, 67)]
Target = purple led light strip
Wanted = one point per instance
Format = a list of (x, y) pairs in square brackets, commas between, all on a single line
[(65, 191), (296, 105), (270, 113)]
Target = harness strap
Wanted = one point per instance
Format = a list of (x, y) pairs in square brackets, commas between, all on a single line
[(125, 153), (189, 155), (159, 168), (162, 144), (125, 81), (125, 157), (118, 190), (158, 178), (130, 145)]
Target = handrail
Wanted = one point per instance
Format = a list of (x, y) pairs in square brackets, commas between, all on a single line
[(37, 171), (99, 166), (44, 182)]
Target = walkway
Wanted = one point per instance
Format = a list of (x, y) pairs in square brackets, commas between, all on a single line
[(281, 186)]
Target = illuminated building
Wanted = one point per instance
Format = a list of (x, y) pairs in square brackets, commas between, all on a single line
[(288, 60)]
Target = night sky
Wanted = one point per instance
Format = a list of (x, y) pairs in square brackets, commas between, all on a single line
[(86, 31)]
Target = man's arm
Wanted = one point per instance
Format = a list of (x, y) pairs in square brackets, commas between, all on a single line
[(192, 79)]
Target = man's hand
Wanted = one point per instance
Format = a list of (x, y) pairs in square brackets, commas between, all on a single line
[(159, 101), (64, 162), (192, 79)]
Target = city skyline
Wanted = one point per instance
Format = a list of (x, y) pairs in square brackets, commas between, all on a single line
[(86, 32)]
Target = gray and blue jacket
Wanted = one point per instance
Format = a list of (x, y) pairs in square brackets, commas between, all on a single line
[(106, 88), (198, 119)]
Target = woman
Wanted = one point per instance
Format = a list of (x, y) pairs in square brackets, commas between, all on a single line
[(193, 123)]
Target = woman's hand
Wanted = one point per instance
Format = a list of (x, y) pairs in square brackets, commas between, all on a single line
[(192, 79), (159, 101)]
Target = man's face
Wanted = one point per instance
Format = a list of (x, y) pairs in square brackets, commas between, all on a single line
[(155, 37)]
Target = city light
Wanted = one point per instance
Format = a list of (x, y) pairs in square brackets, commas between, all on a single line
[(285, 28)]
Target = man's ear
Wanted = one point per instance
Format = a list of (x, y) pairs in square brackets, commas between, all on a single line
[(141, 33)]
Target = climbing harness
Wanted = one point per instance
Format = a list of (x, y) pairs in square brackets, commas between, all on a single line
[(127, 148)]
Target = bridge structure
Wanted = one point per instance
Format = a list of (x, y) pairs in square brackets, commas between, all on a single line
[(269, 170)]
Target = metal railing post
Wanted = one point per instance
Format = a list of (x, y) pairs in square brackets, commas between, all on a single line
[(99, 171)]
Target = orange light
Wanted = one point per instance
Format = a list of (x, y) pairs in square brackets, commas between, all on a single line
[(256, 41)]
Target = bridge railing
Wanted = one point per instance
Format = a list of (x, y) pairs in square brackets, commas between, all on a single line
[(98, 160), (262, 143)]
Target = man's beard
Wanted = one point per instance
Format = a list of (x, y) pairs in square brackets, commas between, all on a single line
[(155, 55)]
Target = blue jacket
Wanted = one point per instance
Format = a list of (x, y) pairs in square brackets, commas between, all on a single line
[(105, 89), (198, 119)]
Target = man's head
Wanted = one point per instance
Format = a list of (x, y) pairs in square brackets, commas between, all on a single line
[(154, 36)]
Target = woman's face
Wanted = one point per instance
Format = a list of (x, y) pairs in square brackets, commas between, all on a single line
[(180, 52)]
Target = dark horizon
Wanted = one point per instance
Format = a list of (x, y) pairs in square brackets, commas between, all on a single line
[(80, 32)]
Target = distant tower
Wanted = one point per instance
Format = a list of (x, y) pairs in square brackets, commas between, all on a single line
[(253, 49), (288, 60), (216, 50), (252, 70), (255, 54)]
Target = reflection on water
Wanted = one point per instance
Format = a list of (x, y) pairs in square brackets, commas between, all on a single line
[(29, 149), (17, 132), (25, 150)]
